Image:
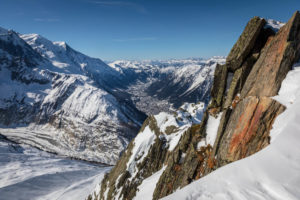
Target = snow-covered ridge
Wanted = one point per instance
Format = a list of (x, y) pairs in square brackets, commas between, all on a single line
[(180, 121), (165, 127), (65, 58)]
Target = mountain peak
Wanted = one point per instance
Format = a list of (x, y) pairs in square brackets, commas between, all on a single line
[(37, 40), (274, 25), (3, 31), (61, 44)]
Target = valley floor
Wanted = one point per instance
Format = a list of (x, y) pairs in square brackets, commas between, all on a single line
[(28, 173)]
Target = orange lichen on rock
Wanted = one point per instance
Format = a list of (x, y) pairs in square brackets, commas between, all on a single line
[(214, 111), (211, 162), (240, 139), (235, 101), (200, 156), (177, 167), (254, 121), (269, 40), (242, 125), (170, 187)]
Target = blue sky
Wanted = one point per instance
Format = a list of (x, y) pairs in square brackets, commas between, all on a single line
[(141, 29)]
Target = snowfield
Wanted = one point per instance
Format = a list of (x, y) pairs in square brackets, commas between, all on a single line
[(28, 173), (273, 173)]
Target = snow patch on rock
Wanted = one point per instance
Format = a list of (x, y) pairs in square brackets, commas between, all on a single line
[(142, 144), (146, 189)]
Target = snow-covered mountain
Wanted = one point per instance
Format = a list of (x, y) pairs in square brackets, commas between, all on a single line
[(150, 86), (56, 104), (69, 61), (63, 101)]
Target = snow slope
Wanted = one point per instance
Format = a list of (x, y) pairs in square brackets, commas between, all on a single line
[(272, 173), (28, 173), (181, 120)]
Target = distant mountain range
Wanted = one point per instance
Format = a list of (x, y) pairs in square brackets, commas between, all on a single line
[(62, 101)]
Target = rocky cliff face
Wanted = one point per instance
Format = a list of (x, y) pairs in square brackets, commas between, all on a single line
[(236, 124)]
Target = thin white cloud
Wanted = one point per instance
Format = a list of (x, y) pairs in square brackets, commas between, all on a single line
[(46, 19), (139, 8), (135, 39)]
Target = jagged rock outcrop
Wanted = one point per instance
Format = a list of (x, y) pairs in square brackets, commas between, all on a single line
[(245, 43), (276, 60), (150, 151), (235, 125), (253, 111)]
